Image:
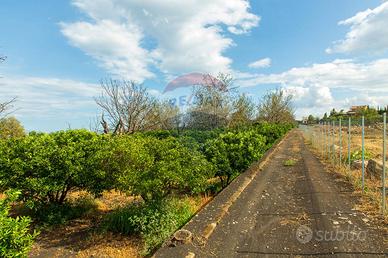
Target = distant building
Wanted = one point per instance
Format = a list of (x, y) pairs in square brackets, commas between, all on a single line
[(354, 110)]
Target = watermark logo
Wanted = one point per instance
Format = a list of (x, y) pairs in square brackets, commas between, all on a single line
[(305, 234), (188, 81)]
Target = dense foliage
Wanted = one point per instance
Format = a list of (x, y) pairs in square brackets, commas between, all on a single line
[(15, 238), (45, 167), (232, 153), (154, 221), (158, 166), (154, 168), (10, 127)]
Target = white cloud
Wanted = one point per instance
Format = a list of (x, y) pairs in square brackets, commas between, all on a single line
[(261, 63), (39, 97), (313, 86), (341, 73), (188, 35), (116, 46), (368, 32)]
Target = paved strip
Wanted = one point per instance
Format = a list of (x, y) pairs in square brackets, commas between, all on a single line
[(299, 210)]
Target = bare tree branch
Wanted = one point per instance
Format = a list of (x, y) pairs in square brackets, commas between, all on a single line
[(213, 103), (5, 107), (128, 107), (276, 107)]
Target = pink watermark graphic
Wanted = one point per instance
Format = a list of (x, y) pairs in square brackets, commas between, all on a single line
[(189, 80)]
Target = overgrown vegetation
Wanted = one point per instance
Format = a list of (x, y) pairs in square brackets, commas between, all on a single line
[(10, 127), (357, 155), (15, 237), (147, 150), (46, 167), (154, 221)]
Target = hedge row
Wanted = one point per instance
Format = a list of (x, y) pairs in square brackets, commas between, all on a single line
[(45, 167)]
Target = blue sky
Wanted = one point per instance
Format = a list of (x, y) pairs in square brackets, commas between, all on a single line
[(327, 53)]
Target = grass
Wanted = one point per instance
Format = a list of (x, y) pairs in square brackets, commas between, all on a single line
[(371, 198), (289, 162), (111, 225), (153, 222), (54, 214)]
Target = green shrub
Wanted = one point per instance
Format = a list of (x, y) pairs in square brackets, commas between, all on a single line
[(160, 134), (232, 153), (155, 168), (153, 221), (357, 155), (15, 239), (202, 136), (45, 167), (272, 132)]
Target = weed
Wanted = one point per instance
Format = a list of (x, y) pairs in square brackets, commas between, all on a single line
[(289, 162), (55, 214), (154, 222)]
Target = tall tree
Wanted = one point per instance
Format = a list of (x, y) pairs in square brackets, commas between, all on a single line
[(212, 103), (10, 127), (6, 106), (127, 107), (276, 107), (243, 111), (164, 116)]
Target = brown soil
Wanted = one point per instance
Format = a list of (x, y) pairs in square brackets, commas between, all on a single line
[(83, 237)]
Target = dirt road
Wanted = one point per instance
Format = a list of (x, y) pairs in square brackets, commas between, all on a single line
[(296, 210)]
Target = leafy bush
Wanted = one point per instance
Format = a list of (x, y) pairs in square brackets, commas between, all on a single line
[(357, 155), (202, 136), (15, 239), (160, 134), (155, 168), (272, 132), (45, 167), (232, 153), (153, 221)]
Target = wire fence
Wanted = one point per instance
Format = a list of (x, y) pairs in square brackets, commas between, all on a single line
[(357, 147)]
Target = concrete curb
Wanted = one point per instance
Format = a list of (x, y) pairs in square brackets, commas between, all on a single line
[(203, 224)]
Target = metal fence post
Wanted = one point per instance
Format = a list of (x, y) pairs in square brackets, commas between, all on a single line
[(363, 152), (340, 141), (320, 136), (384, 158), (349, 133), (326, 137), (327, 140), (333, 143)]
